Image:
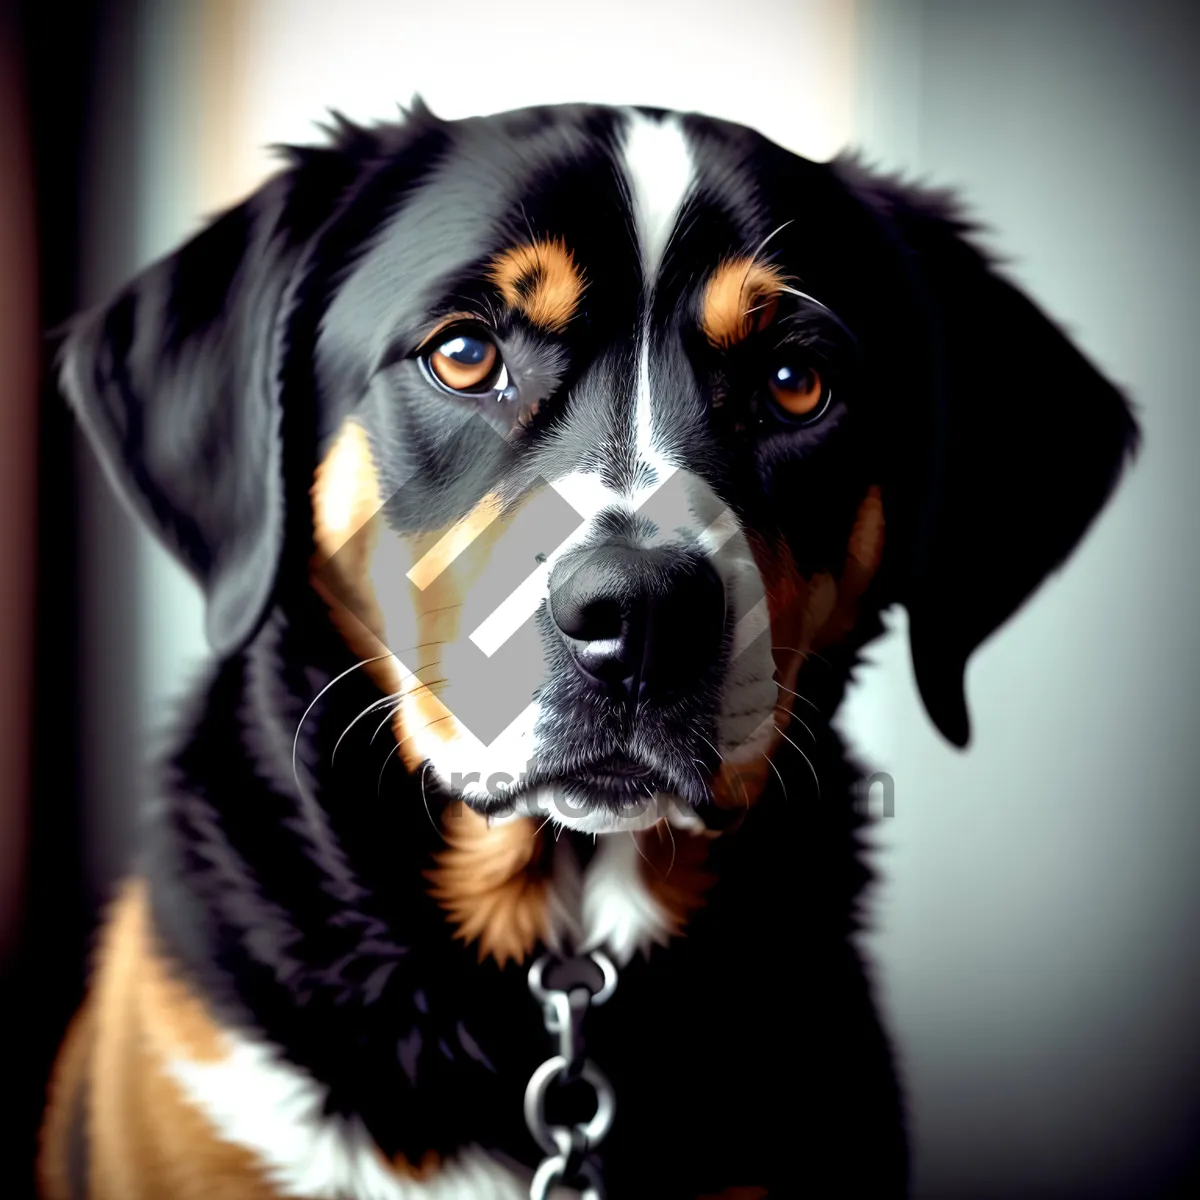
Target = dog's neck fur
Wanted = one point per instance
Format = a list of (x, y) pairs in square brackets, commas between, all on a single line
[(298, 903)]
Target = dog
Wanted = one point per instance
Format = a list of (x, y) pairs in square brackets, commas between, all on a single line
[(545, 475)]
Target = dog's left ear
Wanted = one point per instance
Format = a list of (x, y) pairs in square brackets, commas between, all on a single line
[(178, 384), (1029, 441)]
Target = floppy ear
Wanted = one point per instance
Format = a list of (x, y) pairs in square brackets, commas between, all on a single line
[(178, 384), (1029, 442)]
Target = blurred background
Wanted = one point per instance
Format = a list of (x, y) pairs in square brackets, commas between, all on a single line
[(1034, 933)]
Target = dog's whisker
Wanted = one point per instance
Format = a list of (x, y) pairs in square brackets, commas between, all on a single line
[(763, 244), (384, 699), (803, 756), (793, 291), (402, 697), (400, 742), (753, 259), (771, 764), (528, 223), (807, 728), (337, 679), (375, 704), (425, 801), (806, 700), (720, 756), (705, 788), (641, 852), (387, 759), (390, 716), (671, 835), (806, 654)]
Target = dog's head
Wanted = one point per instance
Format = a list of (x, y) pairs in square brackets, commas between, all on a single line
[(599, 431)]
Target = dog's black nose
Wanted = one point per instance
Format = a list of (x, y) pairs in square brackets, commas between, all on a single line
[(645, 622)]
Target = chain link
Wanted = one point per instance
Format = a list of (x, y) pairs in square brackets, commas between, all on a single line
[(567, 989)]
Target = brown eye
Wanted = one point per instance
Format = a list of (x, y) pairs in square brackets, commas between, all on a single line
[(466, 362), (798, 390)]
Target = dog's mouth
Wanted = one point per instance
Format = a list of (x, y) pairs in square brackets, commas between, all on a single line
[(616, 779), (605, 794)]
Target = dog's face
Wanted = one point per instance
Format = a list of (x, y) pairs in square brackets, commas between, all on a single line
[(594, 428), (600, 488)]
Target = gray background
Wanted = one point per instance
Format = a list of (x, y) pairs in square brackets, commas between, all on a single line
[(1037, 925)]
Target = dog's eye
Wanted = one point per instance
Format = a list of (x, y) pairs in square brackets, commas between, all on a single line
[(798, 391), (467, 361)]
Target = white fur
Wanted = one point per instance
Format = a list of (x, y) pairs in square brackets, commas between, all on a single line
[(620, 915), (255, 1099), (659, 173)]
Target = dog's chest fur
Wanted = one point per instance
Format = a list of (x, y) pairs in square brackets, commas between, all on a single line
[(342, 1078), (251, 1097)]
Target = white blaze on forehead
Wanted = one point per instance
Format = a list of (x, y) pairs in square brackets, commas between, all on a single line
[(659, 173)]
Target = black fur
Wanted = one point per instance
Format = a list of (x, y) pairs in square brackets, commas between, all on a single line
[(748, 1053)]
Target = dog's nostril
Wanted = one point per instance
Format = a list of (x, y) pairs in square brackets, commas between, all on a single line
[(588, 620)]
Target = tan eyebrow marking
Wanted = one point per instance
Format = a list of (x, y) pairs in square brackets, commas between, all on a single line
[(541, 280), (741, 295)]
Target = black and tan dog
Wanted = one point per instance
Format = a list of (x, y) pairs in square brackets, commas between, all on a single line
[(559, 463)]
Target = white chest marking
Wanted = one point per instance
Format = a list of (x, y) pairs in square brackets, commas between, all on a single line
[(255, 1099), (619, 913)]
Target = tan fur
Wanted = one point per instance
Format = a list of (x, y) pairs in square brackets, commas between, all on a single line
[(741, 296), (68, 1083), (145, 1140), (806, 615), (350, 535), (492, 883), (672, 870), (445, 567), (540, 280), (346, 503)]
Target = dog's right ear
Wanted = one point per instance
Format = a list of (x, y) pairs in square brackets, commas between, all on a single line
[(178, 383), (1021, 443)]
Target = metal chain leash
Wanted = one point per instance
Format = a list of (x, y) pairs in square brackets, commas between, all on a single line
[(567, 988)]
